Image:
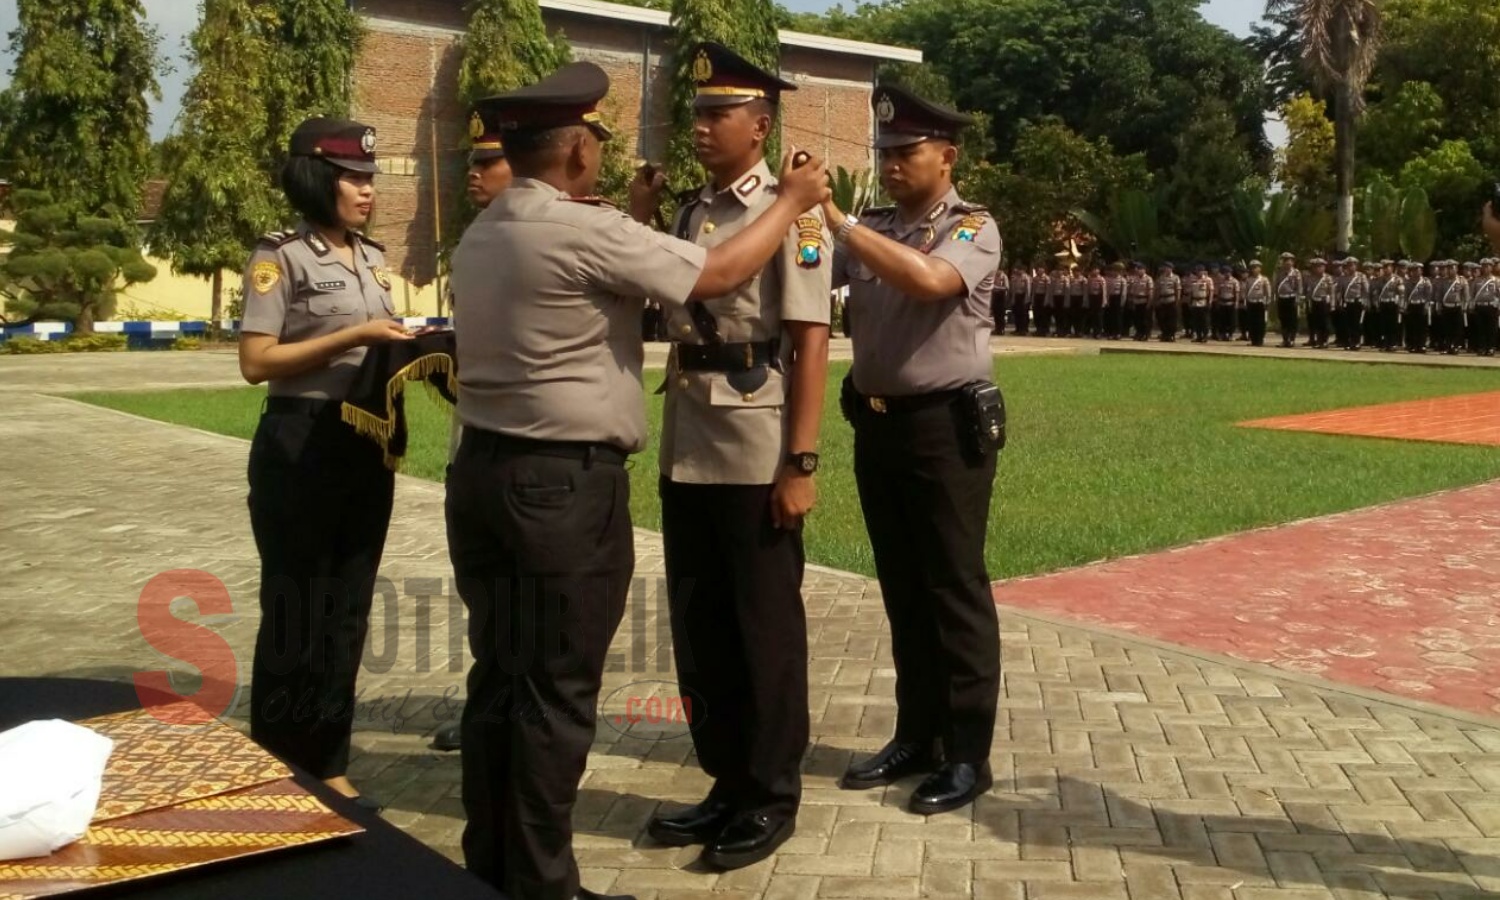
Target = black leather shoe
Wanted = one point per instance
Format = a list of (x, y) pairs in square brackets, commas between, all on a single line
[(896, 761), (586, 894), (952, 786), (748, 839), (447, 738), (695, 825)]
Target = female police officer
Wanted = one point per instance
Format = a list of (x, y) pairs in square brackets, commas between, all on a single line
[(320, 495)]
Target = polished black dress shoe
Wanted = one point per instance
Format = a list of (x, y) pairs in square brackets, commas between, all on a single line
[(952, 786), (695, 825), (448, 738), (896, 761), (586, 894), (748, 839)]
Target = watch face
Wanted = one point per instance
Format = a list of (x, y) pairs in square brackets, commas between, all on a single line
[(807, 463)]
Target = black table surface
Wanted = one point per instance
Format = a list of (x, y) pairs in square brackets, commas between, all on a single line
[(378, 864)]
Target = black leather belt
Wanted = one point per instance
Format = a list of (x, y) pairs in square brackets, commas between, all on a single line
[(587, 452), (908, 403), (726, 357), (310, 406)]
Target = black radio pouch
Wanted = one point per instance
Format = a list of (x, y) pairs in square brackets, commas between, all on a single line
[(848, 398), (983, 412)]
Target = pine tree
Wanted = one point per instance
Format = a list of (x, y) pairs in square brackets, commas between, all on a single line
[(77, 111), (748, 27), (311, 59), (219, 198)]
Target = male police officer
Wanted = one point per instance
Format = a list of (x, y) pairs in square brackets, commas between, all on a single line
[(1416, 310), (1226, 299), (1319, 290), (539, 532), (1288, 298), (1354, 297), (489, 175), (1257, 299), (1140, 290), (1453, 306), (1020, 303), (1485, 308), (1200, 291), (1388, 299), (1116, 286), (927, 427), (738, 453), (1168, 301)]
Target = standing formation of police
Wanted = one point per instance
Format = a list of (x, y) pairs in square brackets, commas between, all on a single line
[(1385, 304)]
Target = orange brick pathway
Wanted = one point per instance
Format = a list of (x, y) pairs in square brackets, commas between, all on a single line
[(1465, 419), (1402, 598)]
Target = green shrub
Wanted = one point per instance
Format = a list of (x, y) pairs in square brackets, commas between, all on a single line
[(25, 346), (94, 343), (187, 343)]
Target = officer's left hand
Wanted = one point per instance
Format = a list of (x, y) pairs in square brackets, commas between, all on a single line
[(792, 498), (645, 192)]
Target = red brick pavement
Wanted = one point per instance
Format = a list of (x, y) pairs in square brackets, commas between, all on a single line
[(1465, 419), (1403, 598)]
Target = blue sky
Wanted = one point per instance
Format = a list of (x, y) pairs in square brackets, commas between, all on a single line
[(176, 19)]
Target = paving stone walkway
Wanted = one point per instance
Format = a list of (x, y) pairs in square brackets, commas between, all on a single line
[(1465, 419), (1124, 768)]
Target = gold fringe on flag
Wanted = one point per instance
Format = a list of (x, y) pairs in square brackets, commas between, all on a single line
[(382, 430)]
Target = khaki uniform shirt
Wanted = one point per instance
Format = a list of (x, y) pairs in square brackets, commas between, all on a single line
[(1227, 290), (1320, 288), (904, 347), (1356, 289), (1289, 284), (713, 433), (297, 288), (1257, 289), (1393, 290), (1041, 290), (1141, 287), (1020, 289), (1455, 293), (1168, 288), (1486, 290), (549, 345)]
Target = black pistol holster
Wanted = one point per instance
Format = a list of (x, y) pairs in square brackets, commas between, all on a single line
[(982, 415)]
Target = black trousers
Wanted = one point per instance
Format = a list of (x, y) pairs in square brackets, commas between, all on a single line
[(1286, 318), (1020, 314), (1140, 320), (1319, 321), (1486, 322), (1114, 319), (1254, 320), (542, 549), (1453, 328), (1418, 320), (1389, 317), (1198, 322), (320, 504), (1042, 313), (1094, 317), (1223, 321), (926, 504), (1354, 323), (739, 636), (1166, 321)]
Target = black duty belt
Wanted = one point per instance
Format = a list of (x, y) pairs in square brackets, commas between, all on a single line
[(907, 404), (310, 406), (587, 452), (726, 357)]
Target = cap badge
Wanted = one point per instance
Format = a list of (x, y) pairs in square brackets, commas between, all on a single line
[(703, 70), (476, 127), (367, 141), (885, 110)]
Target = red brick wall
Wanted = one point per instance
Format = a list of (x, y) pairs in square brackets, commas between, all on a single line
[(406, 84)]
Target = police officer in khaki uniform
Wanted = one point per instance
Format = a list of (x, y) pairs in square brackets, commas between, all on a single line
[(1093, 325), (1139, 289), (1168, 301), (927, 428), (745, 384), (1354, 293), (549, 362), (1319, 289), (1020, 300), (489, 175), (1000, 302), (320, 495), (1288, 298), (1041, 301), (1116, 288), (1453, 307), (1416, 310), (1227, 291), (1198, 292), (1485, 307), (1388, 299), (1257, 298)]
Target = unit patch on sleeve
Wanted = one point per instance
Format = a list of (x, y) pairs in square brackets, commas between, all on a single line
[(809, 242), (264, 275)]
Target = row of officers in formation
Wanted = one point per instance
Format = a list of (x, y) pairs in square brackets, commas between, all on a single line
[(549, 286), (1446, 306)]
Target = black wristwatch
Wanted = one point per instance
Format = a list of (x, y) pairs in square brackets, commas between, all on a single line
[(806, 463)]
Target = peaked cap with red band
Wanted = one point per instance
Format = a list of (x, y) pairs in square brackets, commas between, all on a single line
[(348, 145)]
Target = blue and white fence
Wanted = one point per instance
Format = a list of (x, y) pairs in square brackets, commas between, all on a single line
[(144, 334)]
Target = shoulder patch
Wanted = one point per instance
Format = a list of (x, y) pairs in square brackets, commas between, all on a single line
[(967, 208), (264, 275), (968, 228), (276, 239), (809, 242)]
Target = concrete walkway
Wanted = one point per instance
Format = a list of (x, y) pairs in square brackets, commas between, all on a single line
[(1125, 768)]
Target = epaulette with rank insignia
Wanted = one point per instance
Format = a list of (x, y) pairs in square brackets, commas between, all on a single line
[(689, 195), (366, 239), (276, 239), (878, 211), (967, 208), (592, 201)]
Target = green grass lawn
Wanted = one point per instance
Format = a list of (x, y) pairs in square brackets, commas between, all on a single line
[(1109, 455)]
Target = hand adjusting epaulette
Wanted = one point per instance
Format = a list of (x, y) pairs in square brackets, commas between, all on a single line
[(276, 239), (689, 195), (366, 239)]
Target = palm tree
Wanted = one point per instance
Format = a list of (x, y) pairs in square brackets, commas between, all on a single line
[(1340, 41)]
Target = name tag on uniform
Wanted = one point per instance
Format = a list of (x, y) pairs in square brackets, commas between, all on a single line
[(330, 285)]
